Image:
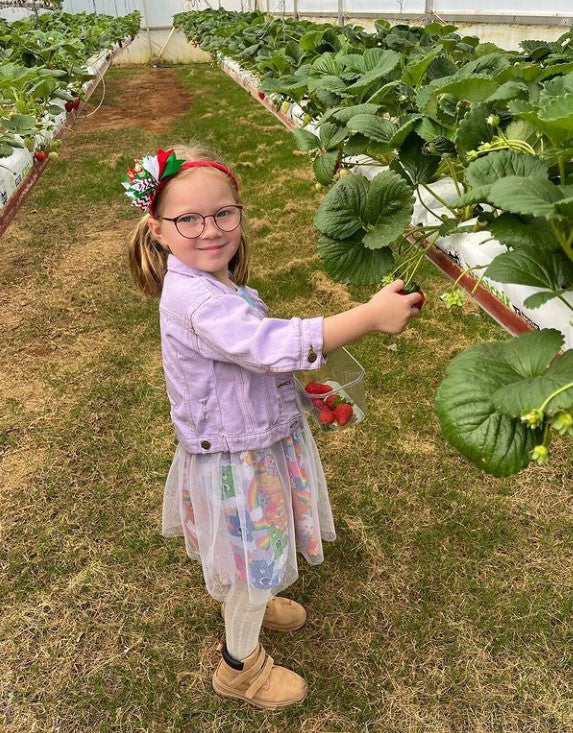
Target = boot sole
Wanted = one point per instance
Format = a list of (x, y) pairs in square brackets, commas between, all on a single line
[(272, 627), (234, 695)]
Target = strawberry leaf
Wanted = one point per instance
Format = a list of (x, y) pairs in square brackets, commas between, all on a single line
[(349, 261), (489, 433)]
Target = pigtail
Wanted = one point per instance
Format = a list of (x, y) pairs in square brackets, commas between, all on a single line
[(239, 264), (147, 259)]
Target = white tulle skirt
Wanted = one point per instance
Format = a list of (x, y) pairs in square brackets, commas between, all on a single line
[(245, 515)]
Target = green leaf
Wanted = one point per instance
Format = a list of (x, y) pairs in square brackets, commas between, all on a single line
[(514, 231), (527, 394), (389, 208), (414, 73), (344, 114), (388, 62), (530, 265), (429, 129), (332, 84), (414, 165), (348, 261), (324, 166), (535, 195), (538, 299), (331, 135), (373, 127), (380, 95), (341, 212), (490, 168), (305, 140), (474, 196), (473, 129), (509, 90), (471, 422)]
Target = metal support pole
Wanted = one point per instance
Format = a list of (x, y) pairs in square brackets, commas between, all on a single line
[(295, 9), (340, 13), (429, 9), (146, 21)]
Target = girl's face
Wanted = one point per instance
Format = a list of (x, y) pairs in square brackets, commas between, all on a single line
[(198, 191)]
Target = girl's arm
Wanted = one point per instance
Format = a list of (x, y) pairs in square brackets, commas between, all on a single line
[(386, 311)]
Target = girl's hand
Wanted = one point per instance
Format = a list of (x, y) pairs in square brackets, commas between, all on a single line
[(387, 311), (390, 310)]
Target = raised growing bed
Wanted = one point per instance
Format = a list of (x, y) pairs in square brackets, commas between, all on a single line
[(453, 254), (28, 131)]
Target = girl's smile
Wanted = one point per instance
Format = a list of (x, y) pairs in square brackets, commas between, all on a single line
[(202, 191)]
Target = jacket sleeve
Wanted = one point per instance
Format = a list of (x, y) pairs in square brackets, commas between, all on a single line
[(224, 327)]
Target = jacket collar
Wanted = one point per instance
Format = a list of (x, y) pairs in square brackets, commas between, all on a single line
[(175, 265)]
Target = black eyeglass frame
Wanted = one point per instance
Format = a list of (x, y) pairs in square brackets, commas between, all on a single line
[(175, 219)]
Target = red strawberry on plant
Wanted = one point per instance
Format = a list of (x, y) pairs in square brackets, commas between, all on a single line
[(326, 416), (343, 413), (69, 106), (261, 95), (413, 287), (317, 388), (77, 102), (40, 155)]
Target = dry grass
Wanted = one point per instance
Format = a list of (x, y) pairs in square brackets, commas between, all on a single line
[(445, 604)]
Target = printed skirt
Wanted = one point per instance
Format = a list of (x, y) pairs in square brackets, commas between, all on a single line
[(245, 515)]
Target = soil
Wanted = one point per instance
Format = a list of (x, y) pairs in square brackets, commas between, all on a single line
[(146, 98)]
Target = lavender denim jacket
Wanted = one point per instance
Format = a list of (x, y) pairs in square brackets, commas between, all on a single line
[(228, 367)]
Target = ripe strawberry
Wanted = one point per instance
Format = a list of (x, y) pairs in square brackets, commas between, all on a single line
[(77, 102), (326, 416), (40, 155), (343, 413), (317, 388), (414, 288), (261, 95), (332, 400), (69, 106), (317, 402)]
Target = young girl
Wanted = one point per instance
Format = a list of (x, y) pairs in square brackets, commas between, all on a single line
[(246, 488)]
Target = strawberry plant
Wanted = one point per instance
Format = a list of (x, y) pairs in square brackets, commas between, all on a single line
[(501, 403), (428, 106)]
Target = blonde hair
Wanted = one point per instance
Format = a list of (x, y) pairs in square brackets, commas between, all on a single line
[(148, 258)]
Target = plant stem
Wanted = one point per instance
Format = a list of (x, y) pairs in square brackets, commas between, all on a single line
[(554, 394), (567, 303), (452, 171), (438, 198), (561, 162)]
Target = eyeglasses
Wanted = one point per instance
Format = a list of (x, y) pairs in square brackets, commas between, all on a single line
[(191, 226)]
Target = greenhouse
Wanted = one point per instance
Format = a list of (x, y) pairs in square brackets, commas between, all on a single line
[(286, 444)]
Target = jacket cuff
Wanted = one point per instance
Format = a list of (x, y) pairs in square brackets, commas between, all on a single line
[(312, 339)]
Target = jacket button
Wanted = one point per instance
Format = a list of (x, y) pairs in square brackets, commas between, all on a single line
[(312, 357), (205, 444)]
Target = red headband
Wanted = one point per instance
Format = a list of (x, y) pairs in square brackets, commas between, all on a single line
[(210, 164), (194, 164)]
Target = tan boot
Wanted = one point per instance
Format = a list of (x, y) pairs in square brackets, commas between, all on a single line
[(284, 614), (281, 614), (259, 682)]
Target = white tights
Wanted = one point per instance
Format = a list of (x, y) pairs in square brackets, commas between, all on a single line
[(244, 611)]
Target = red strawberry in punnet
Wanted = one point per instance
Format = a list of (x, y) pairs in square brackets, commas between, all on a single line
[(326, 416), (343, 413), (317, 388), (317, 402), (332, 400)]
